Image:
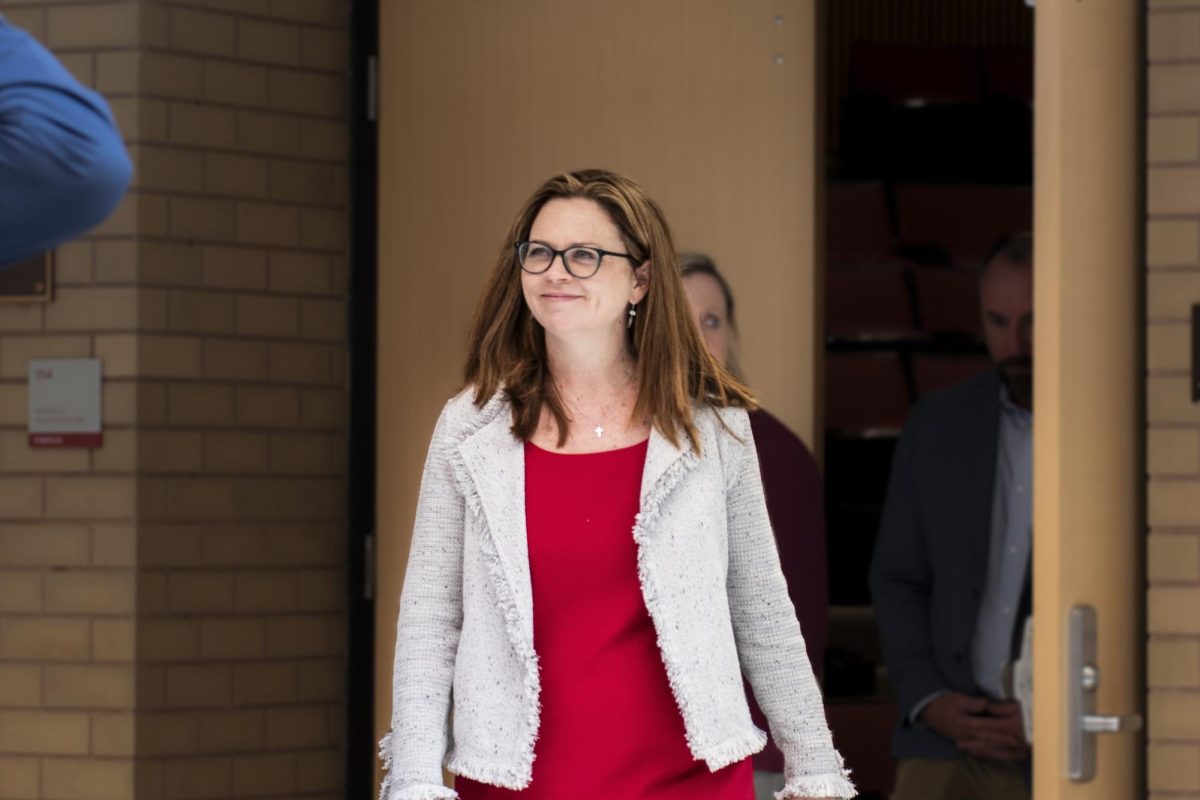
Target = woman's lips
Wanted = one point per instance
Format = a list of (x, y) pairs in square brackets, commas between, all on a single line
[(554, 298)]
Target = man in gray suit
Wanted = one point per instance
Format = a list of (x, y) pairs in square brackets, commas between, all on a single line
[(950, 574)]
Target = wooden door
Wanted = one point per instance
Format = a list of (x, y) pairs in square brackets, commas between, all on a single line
[(711, 105)]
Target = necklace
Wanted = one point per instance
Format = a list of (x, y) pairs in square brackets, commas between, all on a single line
[(598, 428)]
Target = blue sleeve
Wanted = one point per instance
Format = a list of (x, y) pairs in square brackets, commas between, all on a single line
[(63, 166)]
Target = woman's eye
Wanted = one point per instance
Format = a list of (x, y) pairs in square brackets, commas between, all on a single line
[(537, 251), (711, 321), (587, 257)]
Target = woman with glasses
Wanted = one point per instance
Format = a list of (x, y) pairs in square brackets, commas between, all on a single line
[(592, 567), (791, 482)]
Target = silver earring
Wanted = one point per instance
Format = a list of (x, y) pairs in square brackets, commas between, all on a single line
[(632, 314)]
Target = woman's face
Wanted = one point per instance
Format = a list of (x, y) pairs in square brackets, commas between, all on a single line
[(567, 306), (709, 310)]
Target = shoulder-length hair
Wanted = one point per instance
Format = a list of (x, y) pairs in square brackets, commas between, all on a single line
[(507, 346)]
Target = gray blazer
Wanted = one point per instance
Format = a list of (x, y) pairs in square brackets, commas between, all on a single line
[(709, 574), (930, 560)]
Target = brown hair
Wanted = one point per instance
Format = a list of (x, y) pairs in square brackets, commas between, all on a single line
[(507, 346)]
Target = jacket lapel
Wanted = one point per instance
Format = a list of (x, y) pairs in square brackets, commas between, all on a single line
[(495, 464), (980, 434)]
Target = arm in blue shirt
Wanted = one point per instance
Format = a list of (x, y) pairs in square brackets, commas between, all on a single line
[(63, 166)]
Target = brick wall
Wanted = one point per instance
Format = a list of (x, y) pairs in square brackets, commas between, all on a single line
[(1173, 244), (171, 605)]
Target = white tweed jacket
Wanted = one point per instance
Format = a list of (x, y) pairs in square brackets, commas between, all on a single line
[(709, 573)]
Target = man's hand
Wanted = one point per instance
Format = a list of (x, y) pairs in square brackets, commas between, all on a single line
[(977, 726)]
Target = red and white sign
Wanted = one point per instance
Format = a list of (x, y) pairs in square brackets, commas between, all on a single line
[(64, 402)]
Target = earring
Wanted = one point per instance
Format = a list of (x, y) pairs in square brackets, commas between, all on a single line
[(632, 314)]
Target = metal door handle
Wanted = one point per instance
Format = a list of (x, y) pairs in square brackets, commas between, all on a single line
[(1083, 680)]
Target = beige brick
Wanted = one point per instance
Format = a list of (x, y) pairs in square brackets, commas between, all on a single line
[(324, 230), (1173, 610), (1154, 4), (200, 404), (170, 451), (125, 402), (1174, 87), (33, 22), (320, 771), (1173, 767), (234, 545), (169, 545), (93, 309), (199, 686), (113, 640), (1174, 503), (170, 264), (264, 316), (20, 685), (1173, 190), (264, 684), (199, 778), (90, 592), (167, 356), (325, 49), (1170, 401), (169, 640), (257, 8), (1172, 139), (1171, 295), (18, 776), (300, 363), (169, 170), (235, 84), (263, 407), (89, 498), (88, 686), (297, 636), (232, 639), (20, 498), (324, 320), (114, 545), (1173, 663), (92, 26), (118, 354), (323, 139), (43, 639), (269, 42), (118, 453), (1174, 715), (73, 263), (125, 219), (311, 546), (20, 591), (267, 592), (197, 32), (43, 732), (302, 454), (112, 734), (323, 12), (231, 359), (1168, 346), (235, 452), (173, 76), (267, 499), (16, 455), (21, 317), (116, 261), (300, 273), (14, 403), (139, 119), (294, 728), (152, 595), (268, 224), (202, 125), (153, 214), (200, 592), (322, 408), (300, 182), (168, 734), (320, 680), (202, 498), (264, 774), (236, 176), (322, 590), (231, 731), (16, 351), (235, 268), (1174, 558), (1173, 37), (274, 134), (204, 219), (193, 311)]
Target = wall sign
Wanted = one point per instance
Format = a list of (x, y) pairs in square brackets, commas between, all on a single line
[(64, 402)]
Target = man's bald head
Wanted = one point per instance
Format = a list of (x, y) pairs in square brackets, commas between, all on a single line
[(1006, 299)]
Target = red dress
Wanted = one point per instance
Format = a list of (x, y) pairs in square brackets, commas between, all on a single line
[(610, 728)]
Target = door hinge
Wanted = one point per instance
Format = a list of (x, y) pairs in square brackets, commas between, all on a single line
[(372, 88)]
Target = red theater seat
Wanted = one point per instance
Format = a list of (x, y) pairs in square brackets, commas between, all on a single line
[(966, 220), (859, 227), (865, 392), (861, 303), (948, 300)]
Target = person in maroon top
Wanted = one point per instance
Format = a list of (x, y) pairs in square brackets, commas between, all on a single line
[(792, 482)]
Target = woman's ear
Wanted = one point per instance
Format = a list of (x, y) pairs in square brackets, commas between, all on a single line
[(641, 282)]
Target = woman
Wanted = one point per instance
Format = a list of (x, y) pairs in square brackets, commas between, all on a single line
[(792, 483), (592, 565)]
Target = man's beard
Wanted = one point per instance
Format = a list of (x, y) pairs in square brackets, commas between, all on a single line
[(1017, 375)]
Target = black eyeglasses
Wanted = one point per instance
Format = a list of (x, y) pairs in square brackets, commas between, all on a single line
[(582, 262)]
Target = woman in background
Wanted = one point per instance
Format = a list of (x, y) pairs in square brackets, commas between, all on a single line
[(793, 488), (592, 569)]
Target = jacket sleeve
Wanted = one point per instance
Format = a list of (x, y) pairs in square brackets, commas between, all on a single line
[(769, 643), (901, 580), (427, 635), (63, 166)]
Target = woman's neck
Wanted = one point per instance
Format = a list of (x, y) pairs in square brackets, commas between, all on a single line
[(589, 367)]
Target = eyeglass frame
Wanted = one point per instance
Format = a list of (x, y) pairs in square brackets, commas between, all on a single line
[(562, 254)]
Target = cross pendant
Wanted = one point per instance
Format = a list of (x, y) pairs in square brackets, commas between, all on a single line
[(599, 431)]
